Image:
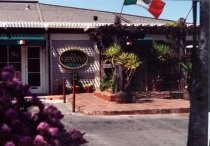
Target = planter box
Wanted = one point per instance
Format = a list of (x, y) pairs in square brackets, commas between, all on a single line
[(120, 97), (106, 96)]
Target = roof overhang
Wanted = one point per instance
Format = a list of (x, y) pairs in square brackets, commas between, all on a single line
[(70, 25), (64, 25), (17, 38)]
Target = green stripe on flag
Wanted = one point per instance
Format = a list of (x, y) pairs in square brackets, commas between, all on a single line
[(130, 2)]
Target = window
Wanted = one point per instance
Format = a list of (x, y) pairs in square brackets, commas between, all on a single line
[(10, 55)]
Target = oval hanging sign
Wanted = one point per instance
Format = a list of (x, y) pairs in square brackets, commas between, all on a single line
[(73, 59)]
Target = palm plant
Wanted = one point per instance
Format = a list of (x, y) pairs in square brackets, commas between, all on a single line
[(187, 66), (162, 51), (128, 61), (112, 54)]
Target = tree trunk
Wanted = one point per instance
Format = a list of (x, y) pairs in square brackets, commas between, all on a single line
[(118, 78), (198, 120)]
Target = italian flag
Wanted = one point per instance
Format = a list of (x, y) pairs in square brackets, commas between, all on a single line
[(155, 7)]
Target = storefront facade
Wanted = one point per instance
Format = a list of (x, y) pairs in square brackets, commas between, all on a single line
[(34, 36), (27, 54), (88, 72)]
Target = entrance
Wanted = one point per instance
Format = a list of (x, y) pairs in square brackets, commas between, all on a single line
[(33, 65)]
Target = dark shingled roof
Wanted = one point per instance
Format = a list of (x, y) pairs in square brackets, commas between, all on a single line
[(24, 13)]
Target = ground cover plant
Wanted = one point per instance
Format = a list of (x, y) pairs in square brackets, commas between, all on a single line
[(27, 121)]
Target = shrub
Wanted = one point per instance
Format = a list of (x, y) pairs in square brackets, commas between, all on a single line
[(104, 83), (22, 126)]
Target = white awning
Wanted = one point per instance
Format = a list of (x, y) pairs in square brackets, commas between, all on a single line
[(64, 24)]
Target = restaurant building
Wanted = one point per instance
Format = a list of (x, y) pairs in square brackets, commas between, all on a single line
[(48, 43)]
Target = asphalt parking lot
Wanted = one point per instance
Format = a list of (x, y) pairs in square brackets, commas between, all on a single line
[(128, 130)]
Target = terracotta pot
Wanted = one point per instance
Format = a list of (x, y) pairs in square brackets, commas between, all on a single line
[(89, 89)]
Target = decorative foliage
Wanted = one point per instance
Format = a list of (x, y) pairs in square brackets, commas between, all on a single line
[(187, 67), (107, 83), (173, 24), (122, 59), (162, 51), (129, 61), (75, 76), (132, 62), (145, 29), (112, 53), (21, 124)]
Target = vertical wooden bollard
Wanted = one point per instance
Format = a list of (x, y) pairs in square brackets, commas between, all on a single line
[(64, 90), (73, 100)]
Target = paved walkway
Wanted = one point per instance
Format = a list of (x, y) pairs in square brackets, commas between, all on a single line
[(126, 130), (88, 104)]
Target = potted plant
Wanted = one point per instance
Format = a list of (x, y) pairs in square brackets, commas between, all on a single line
[(88, 88), (75, 82)]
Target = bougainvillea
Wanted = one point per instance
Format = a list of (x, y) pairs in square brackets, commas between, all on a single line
[(22, 124)]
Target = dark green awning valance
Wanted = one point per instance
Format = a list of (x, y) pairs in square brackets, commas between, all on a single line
[(15, 38)]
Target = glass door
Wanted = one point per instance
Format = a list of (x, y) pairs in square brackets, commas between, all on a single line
[(29, 65), (34, 69), (33, 72)]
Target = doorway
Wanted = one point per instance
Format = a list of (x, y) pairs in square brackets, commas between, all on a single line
[(29, 63), (33, 66)]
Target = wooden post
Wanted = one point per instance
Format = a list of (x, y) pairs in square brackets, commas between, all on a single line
[(64, 90), (73, 99), (153, 86)]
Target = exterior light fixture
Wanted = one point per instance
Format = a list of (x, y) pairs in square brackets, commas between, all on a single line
[(95, 18), (128, 43)]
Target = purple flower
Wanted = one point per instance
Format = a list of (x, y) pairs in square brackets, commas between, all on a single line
[(39, 140), (56, 142), (10, 114), (6, 100), (53, 112), (27, 114), (25, 141), (37, 102), (7, 76), (53, 131), (19, 127), (43, 127), (9, 143), (5, 129), (16, 123)]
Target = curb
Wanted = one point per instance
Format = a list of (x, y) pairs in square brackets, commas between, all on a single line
[(134, 112)]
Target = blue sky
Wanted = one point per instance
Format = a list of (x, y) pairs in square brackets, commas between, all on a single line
[(173, 10)]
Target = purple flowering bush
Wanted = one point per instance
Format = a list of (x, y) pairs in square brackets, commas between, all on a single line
[(21, 125)]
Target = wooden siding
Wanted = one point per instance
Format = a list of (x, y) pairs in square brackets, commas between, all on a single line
[(87, 74)]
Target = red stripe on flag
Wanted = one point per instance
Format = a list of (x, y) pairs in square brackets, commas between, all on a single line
[(156, 7)]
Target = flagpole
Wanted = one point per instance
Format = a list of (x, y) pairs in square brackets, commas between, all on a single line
[(119, 17), (121, 10)]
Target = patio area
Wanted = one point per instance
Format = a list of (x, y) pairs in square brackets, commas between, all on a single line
[(89, 104)]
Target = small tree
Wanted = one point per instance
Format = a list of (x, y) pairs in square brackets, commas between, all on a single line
[(128, 61)]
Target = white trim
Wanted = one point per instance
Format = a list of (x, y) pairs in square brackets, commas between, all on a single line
[(51, 63), (84, 26), (43, 88)]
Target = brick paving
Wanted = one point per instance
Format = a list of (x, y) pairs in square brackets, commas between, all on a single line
[(89, 104)]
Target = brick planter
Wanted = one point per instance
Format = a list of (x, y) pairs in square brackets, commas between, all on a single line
[(105, 95)]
